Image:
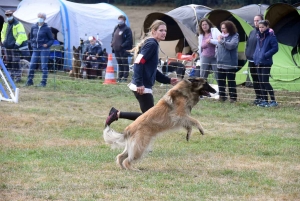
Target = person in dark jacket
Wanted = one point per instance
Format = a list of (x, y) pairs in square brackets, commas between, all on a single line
[(266, 47), (41, 39), (121, 42), (227, 60), (145, 73), (93, 57), (250, 48), (14, 39)]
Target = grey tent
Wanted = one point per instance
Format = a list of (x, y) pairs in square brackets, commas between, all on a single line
[(182, 24), (7, 5)]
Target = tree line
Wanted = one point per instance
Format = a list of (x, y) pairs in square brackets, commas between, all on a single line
[(209, 3)]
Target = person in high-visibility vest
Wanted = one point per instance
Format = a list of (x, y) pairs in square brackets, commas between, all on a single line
[(14, 39)]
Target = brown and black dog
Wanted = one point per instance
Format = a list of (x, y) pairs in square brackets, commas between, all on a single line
[(76, 63), (172, 111)]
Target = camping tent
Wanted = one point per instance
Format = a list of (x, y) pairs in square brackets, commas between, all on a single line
[(7, 5), (73, 20), (243, 19), (285, 21), (182, 24)]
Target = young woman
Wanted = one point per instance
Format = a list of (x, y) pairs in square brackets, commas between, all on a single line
[(227, 60), (207, 42), (266, 47), (145, 73)]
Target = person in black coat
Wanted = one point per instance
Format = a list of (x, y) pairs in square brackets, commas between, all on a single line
[(121, 42), (250, 48)]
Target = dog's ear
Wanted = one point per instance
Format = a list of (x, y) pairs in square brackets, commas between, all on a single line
[(79, 48), (74, 48), (197, 80)]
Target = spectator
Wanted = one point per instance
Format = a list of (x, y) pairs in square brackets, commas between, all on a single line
[(121, 42), (227, 60), (145, 73), (14, 39), (266, 47), (93, 57), (250, 48), (207, 41), (41, 40)]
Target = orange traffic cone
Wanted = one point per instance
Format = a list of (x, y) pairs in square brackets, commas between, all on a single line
[(109, 75)]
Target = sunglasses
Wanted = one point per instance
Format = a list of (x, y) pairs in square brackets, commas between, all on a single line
[(8, 15)]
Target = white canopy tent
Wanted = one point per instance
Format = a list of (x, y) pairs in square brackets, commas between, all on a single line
[(74, 21)]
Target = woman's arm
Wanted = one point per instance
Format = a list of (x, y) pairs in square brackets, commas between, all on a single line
[(274, 47), (232, 44)]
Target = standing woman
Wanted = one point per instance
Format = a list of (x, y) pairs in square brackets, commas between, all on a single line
[(145, 73), (41, 40), (266, 47), (227, 60), (207, 41)]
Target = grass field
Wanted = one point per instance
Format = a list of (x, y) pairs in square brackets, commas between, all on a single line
[(51, 148)]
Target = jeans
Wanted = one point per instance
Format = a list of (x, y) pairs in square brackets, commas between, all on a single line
[(208, 63), (39, 55)]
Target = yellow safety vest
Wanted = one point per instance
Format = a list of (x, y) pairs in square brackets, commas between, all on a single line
[(18, 33)]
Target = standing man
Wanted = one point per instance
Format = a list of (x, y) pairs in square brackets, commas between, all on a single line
[(250, 48), (41, 39), (121, 42), (14, 38)]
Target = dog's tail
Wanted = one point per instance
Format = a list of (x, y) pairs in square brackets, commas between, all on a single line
[(115, 139)]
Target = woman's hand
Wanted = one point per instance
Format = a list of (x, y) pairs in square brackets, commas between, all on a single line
[(140, 90), (45, 45), (174, 81)]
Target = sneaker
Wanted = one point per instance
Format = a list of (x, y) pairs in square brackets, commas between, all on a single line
[(112, 110), (112, 117), (257, 101), (232, 101), (263, 103), (17, 80), (273, 104), (27, 84), (41, 85), (222, 99)]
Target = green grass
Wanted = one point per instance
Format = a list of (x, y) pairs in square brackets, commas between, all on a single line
[(51, 148)]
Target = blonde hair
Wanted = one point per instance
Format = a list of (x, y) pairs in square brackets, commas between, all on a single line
[(154, 26)]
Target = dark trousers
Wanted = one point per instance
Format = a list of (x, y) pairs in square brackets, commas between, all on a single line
[(228, 74), (146, 102), (255, 80), (13, 63), (122, 58), (265, 86), (174, 66)]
